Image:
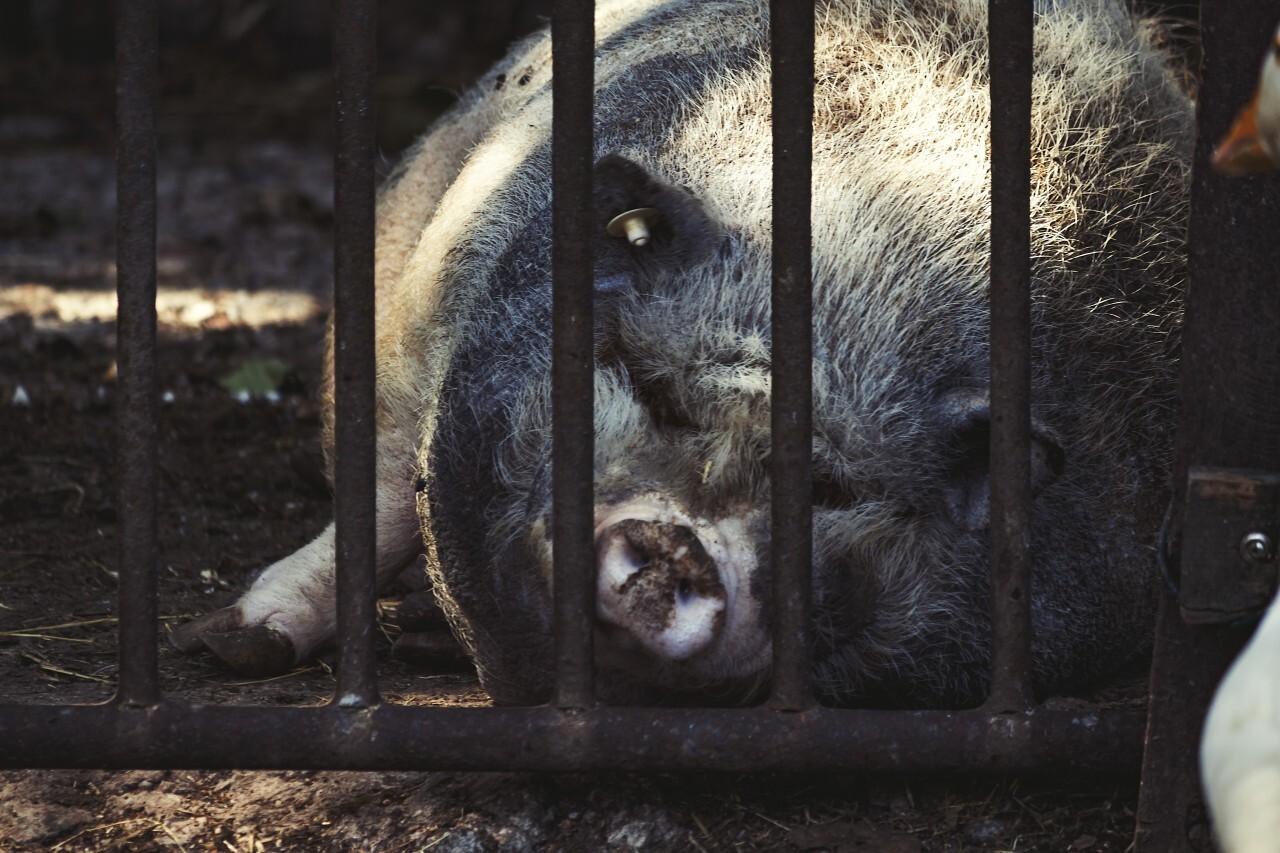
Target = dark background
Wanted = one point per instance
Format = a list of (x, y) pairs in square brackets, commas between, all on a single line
[(56, 57), (239, 69)]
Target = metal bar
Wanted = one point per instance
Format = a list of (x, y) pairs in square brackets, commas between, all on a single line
[(1229, 415), (573, 369), (391, 737), (1010, 34), (354, 50), (137, 404), (791, 545), (1188, 664)]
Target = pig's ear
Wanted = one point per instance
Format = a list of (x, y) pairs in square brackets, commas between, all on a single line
[(965, 416), (644, 227)]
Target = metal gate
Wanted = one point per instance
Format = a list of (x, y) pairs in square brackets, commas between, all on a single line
[(141, 727)]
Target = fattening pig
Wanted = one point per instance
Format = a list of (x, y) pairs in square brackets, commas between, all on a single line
[(900, 269)]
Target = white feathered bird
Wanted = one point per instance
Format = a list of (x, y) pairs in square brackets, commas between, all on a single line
[(1240, 750)]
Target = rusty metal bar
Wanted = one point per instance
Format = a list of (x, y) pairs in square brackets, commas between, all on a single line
[(354, 51), (573, 369), (1188, 664), (1010, 34), (1229, 415), (391, 737), (791, 545), (137, 402)]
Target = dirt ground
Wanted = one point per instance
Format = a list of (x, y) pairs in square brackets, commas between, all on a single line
[(244, 259)]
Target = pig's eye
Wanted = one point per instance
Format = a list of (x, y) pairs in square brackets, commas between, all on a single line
[(829, 493), (666, 413), (667, 416)]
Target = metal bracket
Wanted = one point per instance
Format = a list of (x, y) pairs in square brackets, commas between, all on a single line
[(1229, 535)]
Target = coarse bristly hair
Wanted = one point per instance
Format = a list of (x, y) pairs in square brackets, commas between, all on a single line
[(901, 200)]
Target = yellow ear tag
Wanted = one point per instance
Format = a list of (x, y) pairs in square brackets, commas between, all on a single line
[(634, 224)]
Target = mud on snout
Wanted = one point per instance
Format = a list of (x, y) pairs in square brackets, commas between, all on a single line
[(674, 593)]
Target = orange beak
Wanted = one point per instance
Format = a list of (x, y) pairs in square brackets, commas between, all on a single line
[(1240, 152)]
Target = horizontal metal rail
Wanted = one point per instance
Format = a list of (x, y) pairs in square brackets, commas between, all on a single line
[(394, 737)]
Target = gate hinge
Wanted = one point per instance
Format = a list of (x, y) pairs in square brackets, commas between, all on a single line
[(1230, 532)]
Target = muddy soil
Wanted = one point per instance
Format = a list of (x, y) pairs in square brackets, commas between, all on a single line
[(244, 257)]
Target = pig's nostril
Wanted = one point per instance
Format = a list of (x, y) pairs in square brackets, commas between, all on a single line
[(684, 591), (631, 560)]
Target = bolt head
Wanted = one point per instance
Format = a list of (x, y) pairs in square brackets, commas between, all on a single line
[(1257, 547)]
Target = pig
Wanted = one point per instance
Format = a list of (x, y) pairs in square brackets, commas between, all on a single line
[(901, 417)]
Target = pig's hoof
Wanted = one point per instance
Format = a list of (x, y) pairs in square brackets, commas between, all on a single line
[(257, 652), (189, 638), (435, 650), (419, 611)]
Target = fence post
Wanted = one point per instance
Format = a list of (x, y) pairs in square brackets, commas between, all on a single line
[(1011, 39), (137, 401), (791, 406), (355, 403), (1229, 413), (573, 363)]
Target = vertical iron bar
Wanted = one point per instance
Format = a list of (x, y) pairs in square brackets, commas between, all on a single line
[(354, 54), (791, 547), (573, 368), (1010, 34), (1229, 414), (137, 406)]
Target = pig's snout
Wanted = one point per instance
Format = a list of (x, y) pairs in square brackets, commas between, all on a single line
[(658, 588)]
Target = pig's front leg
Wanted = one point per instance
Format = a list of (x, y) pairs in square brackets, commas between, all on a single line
[(286, 614), (290, 610)]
